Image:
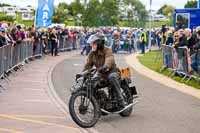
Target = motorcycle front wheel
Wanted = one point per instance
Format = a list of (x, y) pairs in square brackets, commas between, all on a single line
[(84, 109)]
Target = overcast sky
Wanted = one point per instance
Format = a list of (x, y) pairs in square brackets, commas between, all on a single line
[(156, 3)]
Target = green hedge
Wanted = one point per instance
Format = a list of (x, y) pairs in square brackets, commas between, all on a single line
[(4, 17)]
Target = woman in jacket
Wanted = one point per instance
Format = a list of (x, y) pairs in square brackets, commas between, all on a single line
[(54, 40)]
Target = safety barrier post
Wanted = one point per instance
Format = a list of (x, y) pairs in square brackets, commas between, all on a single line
[(5, 62)]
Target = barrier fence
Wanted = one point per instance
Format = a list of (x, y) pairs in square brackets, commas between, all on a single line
[(180, 62), (12, 57)]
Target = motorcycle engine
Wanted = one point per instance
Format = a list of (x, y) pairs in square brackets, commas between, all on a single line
[(106, 102), (102, 98)]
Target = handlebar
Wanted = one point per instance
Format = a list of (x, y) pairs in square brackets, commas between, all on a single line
[(87, 73)]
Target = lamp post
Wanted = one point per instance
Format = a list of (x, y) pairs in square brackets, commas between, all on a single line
[(150, 25)]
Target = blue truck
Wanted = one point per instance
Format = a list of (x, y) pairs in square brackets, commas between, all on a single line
[(186, 18)]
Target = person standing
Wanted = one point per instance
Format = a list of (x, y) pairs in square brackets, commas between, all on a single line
[(170, 39), (71, 39), (83, 42), (158, 37), (142, 40), (54, 40), (195, 55), (190, 40), (35, 42), (43, 38)]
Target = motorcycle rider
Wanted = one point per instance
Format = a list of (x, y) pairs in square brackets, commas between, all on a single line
[(103, 59)]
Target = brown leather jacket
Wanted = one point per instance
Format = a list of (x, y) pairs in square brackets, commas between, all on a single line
[(104, 57)]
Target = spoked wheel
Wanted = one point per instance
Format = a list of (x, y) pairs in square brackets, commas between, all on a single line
[(84, 110), (126, 94)]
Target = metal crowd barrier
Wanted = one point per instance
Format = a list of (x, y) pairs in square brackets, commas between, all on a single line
[(179, 61), (67, 45), (198, 61), (6, 58), (12, 57), (60, 43), (1, 61), (167, 57), (63, 45), (37, 49)]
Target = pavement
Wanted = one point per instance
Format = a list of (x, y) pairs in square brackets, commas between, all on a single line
[(162, 109), (27, 105)]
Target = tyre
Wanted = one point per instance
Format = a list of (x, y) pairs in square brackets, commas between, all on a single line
[(127, 112), (126, 95), (84, 111)]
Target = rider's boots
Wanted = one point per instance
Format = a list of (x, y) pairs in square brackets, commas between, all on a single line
[(116, 86)]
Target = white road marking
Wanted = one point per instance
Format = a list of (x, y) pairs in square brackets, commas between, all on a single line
[(77, 64), (40, 101), (30, 89)]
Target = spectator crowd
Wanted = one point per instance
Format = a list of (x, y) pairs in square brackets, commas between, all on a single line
[(187, 40), (119, 39)]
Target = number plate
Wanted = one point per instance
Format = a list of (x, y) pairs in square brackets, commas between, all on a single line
[(125, 73)]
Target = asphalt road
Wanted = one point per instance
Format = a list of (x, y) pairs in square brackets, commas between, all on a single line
[(161, 109)]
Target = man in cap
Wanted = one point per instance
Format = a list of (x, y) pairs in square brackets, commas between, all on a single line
[(182, 38), (190, 40), (103, 59)]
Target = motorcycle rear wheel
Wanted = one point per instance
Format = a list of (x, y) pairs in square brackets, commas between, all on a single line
[(83, 120), (129, 111)]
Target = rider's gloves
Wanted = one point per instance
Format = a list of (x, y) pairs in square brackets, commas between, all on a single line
[(103, 70), (78, 76)]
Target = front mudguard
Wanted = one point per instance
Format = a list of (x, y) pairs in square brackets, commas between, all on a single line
[(77, 87)]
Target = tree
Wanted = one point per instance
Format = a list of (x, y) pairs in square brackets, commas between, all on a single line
[(191, 4), (168, 11), (138, 14), (92, 14), (60, 16), (76, 7), (109, 12), (104, 13), (3, 4), (160, 11), (97, 13)]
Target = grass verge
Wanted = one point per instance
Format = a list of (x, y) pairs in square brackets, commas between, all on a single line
[(154, 61)]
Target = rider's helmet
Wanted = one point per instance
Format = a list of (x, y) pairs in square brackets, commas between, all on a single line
[(99, 39)]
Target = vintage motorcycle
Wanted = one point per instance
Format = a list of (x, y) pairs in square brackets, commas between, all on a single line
[(92, 97)]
